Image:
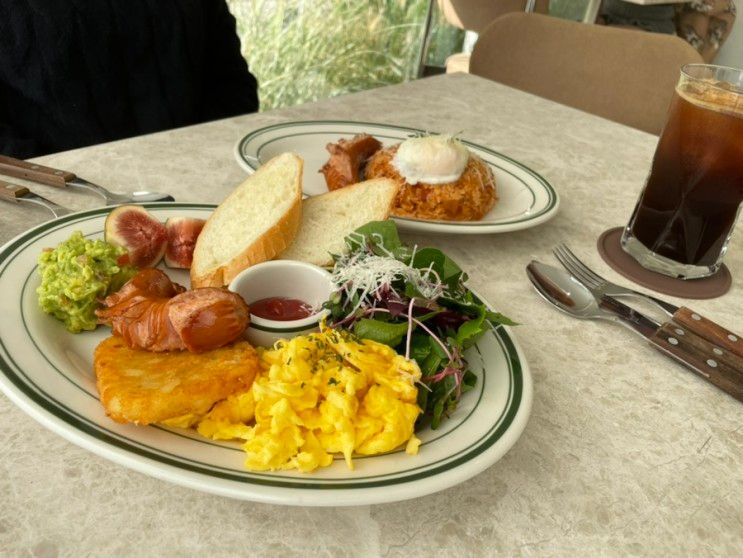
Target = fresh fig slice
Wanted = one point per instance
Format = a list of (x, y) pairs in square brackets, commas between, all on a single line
[(132, 227), (182, 234)]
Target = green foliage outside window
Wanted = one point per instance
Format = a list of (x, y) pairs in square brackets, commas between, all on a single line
[(304, 50)]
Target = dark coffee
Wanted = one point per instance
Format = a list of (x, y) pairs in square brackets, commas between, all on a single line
[(695, 187)]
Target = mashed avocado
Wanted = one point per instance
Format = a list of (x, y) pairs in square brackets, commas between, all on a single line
[(76, 275)]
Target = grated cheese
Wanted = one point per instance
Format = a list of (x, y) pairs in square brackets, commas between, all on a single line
[(363, 274)]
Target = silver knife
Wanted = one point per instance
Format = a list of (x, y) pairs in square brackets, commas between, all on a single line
[(722, 368)]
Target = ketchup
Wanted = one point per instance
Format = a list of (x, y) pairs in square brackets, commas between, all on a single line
[(280, 308)]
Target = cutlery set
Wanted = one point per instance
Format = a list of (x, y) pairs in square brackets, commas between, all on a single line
[(61, 179), (708, 349)]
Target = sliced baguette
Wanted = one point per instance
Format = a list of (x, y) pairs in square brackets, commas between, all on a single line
[(329, 218), (255, 223)]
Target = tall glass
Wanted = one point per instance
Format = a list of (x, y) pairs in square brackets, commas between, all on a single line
[(682, 223)]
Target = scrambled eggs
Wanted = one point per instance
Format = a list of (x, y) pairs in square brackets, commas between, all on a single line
[(317, 395)]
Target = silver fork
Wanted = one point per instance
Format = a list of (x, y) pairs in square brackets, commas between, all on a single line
[(697, 323), (20, 194), (603, 286)]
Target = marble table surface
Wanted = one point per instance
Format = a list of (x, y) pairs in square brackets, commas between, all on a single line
[(626, 453)]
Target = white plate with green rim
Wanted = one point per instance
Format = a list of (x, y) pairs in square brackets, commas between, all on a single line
[(48, 373), (526, 199)]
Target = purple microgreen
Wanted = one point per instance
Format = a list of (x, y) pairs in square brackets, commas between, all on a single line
[(410, 329)]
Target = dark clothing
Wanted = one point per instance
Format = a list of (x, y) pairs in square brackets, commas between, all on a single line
[(80, 72), (658, 19)]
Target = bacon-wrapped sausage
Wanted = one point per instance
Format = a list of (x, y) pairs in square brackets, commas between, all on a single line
[(152, 313)]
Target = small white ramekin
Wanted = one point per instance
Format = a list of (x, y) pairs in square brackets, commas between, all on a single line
[(283, 278)]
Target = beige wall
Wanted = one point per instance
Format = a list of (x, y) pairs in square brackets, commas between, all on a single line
[(731, 53)]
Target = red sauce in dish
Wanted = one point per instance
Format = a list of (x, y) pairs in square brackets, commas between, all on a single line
[(280, 309)]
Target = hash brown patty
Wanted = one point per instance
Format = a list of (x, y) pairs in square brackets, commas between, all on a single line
[(145, 387)]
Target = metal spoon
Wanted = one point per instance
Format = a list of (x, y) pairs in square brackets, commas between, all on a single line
[(568, 295), (60, 178), (563, 291), (114, 199)]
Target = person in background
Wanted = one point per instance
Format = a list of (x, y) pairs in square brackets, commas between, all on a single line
[(705, 24), (81, 72), (656, 19)]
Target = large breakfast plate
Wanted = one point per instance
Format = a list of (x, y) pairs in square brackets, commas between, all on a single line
[(526, 199), (47, 372)]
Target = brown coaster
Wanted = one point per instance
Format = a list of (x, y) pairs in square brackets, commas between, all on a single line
[(610, 248)]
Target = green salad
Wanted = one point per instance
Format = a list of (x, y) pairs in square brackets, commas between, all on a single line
[(415, 301), (76, 275)]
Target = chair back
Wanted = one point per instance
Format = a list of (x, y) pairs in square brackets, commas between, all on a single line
[(624, 75), (475, 15)]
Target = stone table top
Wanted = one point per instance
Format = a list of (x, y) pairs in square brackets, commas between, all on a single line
[(626, 453)]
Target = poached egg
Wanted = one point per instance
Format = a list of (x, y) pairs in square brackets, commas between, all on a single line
[(431, 159)]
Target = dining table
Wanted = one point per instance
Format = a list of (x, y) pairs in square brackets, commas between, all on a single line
[(626, 453)]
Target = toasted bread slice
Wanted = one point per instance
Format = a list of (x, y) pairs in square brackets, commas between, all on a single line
[(255, 223), (329, 218), (143, 387)]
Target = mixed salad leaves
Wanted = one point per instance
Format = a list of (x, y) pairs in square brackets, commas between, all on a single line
[(415, 301)]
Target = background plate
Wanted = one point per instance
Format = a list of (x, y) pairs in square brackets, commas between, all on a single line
[(525, 198), (48, 373)]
